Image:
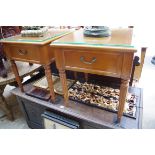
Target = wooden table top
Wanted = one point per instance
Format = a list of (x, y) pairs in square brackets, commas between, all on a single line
[(51, 35), (120, 38)]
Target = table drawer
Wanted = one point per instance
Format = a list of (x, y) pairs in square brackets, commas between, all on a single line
[(108, 63), (24, 53)]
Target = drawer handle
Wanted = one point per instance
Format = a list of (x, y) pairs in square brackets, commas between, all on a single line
[(22, 52), (86, 62)]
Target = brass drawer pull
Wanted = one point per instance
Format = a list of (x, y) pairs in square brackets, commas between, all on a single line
[(22, 52), (86, 62)]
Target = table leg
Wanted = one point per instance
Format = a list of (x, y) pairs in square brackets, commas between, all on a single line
[(15, 71), (75, 75), (86, 76), (3, 104), (64, 85), (122, 98), (50, 81)]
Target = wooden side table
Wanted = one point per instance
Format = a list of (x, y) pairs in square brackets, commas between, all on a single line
[(109, 56), (24, 70), (33, 50)]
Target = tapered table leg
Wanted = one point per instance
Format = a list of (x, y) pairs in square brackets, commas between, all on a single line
[(122, 98), (64, 85), (86, 76), (4, 105), (50, 81), (15, 71), (75, 75)]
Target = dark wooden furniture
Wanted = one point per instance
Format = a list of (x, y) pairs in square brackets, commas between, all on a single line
[(87, 116), (109, 56), (33, 50), (5, 32)]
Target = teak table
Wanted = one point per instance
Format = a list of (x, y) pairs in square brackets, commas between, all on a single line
[(33, 50), (109, 56)]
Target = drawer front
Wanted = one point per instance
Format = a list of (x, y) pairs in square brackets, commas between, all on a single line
[(24, 53), (108, 63)]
